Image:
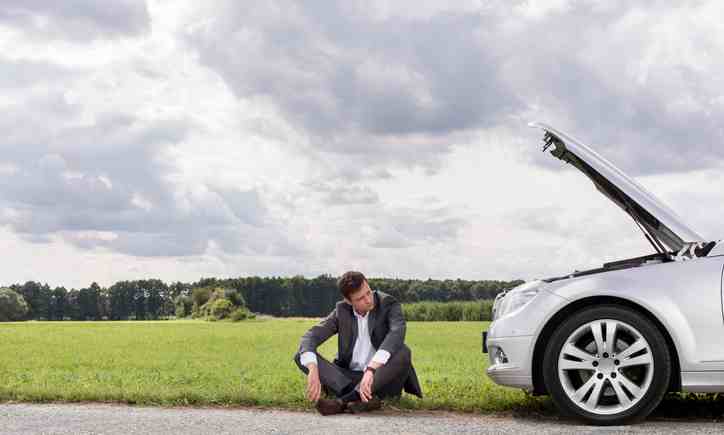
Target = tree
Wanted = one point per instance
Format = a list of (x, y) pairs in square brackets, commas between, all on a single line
[(104, 304), (235, 297), (121, 300), (58, 303), (72, 308), (200, 296), (12, 306), (155, 291), (178, 288), (94, 297), (37, 297), (175, 290), (183, 306), (89, 302), (139, 302), (278, 296)]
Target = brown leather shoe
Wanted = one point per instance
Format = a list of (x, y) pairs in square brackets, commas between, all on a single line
[(330, 406), (370, 405)]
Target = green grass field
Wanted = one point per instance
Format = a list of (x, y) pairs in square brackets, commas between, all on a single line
[(218, 363), (248, 363)]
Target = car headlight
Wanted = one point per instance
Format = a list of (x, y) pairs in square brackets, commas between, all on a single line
[(516, 298)]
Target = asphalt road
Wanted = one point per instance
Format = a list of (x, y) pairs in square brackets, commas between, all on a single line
[(120, 419)]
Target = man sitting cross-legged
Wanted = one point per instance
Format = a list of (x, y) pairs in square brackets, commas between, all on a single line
[(372, 361)]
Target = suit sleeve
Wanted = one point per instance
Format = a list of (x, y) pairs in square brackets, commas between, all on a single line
[(319, 333), (395, 337)]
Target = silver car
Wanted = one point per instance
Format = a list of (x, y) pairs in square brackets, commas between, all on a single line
[(606, 344)]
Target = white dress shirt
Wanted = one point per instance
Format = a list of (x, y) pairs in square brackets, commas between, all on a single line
[(363, 351)]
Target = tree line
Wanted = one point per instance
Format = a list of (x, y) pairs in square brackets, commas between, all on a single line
[(278, 296)]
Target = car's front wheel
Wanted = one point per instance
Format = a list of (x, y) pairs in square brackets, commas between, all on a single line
[(608, 365)]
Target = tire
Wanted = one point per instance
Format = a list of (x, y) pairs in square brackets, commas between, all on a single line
[(614, 387)]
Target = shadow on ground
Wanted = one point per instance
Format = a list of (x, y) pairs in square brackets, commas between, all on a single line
[(689, 405), (684, 406)]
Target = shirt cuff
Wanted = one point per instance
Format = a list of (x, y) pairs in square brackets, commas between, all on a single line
[(381, 356), (308, 358)]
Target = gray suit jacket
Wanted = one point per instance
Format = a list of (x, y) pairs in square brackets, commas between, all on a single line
[(386, 327)]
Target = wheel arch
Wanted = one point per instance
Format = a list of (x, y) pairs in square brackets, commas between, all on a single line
[(539, 387)]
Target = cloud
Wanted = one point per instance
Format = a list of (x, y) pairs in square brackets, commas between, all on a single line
[(395, 227), (341, 193), (647, 99), (376, 80), (77, 20), (356, 85), (308, 137), (110, 183), (23, 73), (408, 228)]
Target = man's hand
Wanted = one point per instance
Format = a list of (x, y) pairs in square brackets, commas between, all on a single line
[(365, 386), (314, 387)]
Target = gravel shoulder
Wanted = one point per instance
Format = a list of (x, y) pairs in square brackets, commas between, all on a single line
[(23, 418)]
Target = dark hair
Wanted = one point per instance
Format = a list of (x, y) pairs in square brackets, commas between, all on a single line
[(350, 282)]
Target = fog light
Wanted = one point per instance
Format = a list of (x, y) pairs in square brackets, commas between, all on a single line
[(499, 356)]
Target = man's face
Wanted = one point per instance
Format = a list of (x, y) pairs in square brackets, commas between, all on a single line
[(362, 300)]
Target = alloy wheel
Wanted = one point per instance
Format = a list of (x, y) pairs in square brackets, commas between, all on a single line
[(605, 366)]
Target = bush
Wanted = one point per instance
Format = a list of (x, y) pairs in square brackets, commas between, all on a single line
[(480, 311), (204, 297), (216, 303), (235, 297), (183, 306), (472, 312), (12, 306), (448, 311), (200, 296), (221, 308), (241, 314), (452, 311)]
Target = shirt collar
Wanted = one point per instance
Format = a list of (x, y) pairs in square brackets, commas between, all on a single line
[(359, 316)]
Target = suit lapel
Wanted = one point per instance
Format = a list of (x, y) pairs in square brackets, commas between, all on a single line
[(355, 332), (351, 338), (372, 320)]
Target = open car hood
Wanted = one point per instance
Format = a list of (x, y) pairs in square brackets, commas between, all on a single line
[(662, 227)]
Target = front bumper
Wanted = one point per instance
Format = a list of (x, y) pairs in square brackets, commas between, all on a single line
[(511, 340), (515, 370)]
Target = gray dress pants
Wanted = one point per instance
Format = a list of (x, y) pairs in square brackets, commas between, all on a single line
[(340, 382)]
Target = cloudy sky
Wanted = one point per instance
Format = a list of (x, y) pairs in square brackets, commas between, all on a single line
[(181, 139)]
